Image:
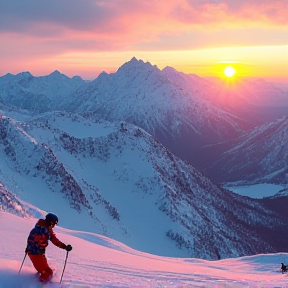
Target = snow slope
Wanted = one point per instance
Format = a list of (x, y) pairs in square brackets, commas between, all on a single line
[(97, 261)]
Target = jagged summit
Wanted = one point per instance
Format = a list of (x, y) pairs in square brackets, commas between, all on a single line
[(8, 75), (134, 61), (134, 65)]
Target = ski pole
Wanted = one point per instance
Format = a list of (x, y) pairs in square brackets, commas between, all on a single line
[(64, 267), (22, 263)]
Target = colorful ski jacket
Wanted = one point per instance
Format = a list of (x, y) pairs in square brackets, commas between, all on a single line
[(39, 236)]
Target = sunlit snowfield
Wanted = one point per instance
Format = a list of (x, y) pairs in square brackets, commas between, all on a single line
[(97, 261)]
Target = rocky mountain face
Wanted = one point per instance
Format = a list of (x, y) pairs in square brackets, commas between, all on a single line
[(121, 182), (260, 156)]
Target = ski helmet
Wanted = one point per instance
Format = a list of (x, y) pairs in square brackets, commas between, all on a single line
[(51, 218)]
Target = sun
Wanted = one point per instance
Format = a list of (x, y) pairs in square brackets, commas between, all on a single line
[(229, 71)]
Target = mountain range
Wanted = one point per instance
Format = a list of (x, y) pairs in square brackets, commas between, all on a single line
[(260, 156), (184, 112), (120, 155)]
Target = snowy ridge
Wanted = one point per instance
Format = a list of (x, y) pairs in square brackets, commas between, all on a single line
[(257, 157), (10, 203), (281, 193), (28, 157)]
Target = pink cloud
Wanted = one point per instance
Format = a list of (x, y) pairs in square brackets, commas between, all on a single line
[(123, 23), (233, 12)]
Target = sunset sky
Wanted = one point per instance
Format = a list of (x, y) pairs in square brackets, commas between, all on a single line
[(86, 37)]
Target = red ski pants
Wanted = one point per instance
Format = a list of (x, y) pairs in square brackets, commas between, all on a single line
[(41, 265)]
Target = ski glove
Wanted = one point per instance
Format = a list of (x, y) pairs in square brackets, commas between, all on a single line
[(68, 248)]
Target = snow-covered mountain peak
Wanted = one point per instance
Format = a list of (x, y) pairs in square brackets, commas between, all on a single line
[(57, 76), (133, 62), (23, 75), (55, 72), (135, 66), (77, 78), (8, 75)]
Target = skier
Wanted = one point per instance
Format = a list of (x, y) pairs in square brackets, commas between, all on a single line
[(283, 268), (37, 243)]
